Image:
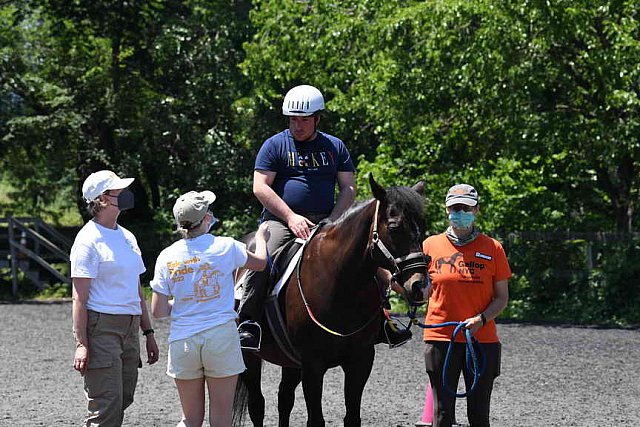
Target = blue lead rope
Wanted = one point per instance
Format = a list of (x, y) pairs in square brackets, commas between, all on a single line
[(471, 359)]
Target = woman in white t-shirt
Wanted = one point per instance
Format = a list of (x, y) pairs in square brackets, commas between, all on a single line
[(197, 273), (108, 303)]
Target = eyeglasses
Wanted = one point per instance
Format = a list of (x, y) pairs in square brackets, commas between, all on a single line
[(461, 207)]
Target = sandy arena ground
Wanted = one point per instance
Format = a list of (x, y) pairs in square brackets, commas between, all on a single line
[(551, 376)]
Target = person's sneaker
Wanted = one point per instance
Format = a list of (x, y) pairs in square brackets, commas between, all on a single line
[(395, 336), (250, 335)]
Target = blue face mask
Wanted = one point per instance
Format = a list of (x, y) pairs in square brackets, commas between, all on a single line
[(461, 219)]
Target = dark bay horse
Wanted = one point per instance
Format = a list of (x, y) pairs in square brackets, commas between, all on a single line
[(332, 304)]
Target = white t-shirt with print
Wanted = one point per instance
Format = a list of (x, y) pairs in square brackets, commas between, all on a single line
[(198, 274), (112, 260)]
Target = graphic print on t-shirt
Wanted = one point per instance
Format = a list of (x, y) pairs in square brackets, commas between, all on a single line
[(206, 282), (207, 286), (456, 264), (310, 159), (450, 261)]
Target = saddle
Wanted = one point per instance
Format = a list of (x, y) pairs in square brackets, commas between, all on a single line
[(285, 261)]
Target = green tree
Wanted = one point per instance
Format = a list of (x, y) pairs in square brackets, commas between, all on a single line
[(534, 102), (144, 88)]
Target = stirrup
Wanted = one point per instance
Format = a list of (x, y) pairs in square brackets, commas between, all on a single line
[(255, 331), (395, 336)]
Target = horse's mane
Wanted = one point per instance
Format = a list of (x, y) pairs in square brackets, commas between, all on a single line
[(408, 201), (351, 211), (405, 198)]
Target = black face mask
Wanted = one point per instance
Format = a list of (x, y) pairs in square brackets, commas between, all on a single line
[(125, 200)]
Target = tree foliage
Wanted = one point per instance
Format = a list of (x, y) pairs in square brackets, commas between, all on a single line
[(143, 88), (535, 103)]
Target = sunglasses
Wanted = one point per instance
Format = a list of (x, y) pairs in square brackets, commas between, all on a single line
[(461, 207)]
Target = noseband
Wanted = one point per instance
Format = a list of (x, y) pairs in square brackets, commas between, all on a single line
[(412, 261)]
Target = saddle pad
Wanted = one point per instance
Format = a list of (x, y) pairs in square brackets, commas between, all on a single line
[(290, 267)]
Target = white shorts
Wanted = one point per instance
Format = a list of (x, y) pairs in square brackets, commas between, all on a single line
[(214, 352)]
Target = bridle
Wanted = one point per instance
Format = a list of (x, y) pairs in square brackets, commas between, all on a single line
[(412, 261), (400, 265)]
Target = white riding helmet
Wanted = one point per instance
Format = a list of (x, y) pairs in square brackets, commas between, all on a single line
[(303, 100)]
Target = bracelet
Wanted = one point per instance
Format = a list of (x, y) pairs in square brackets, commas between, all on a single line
[(147, 332), (483, 318)]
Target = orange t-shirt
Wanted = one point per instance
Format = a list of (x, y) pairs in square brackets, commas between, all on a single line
[(462, 280)]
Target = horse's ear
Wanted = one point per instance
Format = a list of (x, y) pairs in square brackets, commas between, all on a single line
[(419, 187), (377, 191)]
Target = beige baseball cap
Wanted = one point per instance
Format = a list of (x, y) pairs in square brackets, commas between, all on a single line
[(101, 181), (463, 194), (191, 207)]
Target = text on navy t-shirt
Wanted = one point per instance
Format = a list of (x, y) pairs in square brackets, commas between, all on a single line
[(305, 171)]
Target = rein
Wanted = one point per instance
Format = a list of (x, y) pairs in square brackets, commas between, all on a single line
[(316, 321), (374, 236), (415, 260), (471, 360)]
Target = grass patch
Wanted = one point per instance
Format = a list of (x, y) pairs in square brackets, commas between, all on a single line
[(5, 189), (54, 292), (62, 212)]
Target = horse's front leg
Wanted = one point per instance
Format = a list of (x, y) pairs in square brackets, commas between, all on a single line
[(312, 380), (291, 377), (356, 374)]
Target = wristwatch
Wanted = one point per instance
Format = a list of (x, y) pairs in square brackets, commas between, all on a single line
[(148, 331), (484, 319)]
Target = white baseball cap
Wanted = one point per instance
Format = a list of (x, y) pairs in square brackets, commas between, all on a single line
[(101, 181), (191, 207)]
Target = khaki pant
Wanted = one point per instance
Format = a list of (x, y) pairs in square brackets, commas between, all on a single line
[(112, 374), (255, 284)]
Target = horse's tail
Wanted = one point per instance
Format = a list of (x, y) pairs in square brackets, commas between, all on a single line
[(240, 403)]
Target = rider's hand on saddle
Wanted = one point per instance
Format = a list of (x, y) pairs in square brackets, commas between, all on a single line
[(299, 225), (263, 232)]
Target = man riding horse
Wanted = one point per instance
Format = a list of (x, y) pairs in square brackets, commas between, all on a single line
[(294, 178)]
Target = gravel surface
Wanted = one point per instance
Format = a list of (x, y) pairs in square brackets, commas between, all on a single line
[(551, 376)]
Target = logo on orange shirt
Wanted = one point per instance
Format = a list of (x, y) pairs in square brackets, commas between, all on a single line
[(451, 261)]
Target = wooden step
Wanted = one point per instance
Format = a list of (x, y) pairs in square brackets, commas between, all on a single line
[(37, 248), (34, 276)]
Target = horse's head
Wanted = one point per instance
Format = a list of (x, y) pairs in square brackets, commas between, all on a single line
[(396, 242)]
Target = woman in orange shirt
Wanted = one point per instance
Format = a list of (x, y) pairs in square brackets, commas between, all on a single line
[(469, 273)]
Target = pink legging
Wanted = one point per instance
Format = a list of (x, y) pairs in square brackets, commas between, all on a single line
[(427, 411)]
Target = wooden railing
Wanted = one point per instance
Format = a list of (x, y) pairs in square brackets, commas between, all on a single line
[(34, 247)]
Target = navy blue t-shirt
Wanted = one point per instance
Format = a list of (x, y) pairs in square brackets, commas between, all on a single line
[(305, 171)]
